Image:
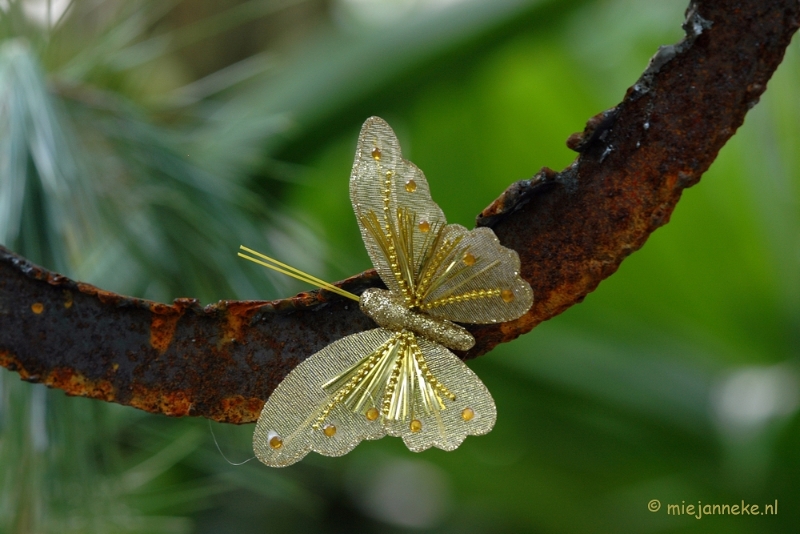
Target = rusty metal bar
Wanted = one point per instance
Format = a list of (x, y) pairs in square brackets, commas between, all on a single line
[(571, 228)]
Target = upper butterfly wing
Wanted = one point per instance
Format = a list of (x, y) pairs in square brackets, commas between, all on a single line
[(301, 400), (470, 412), (473, 279), (399, 221), (444, 270)]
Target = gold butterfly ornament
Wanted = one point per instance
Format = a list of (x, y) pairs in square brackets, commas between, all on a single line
[(399, 379)]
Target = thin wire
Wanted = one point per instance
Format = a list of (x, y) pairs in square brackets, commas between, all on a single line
[(220, 450), (297, 274), (333, 289)]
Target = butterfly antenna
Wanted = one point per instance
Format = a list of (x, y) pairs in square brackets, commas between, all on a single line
[(220, 450), (297, 274)]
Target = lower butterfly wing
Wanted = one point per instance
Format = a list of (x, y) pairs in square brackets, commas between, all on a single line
[(462, 405), (309, 410), (365, 386)]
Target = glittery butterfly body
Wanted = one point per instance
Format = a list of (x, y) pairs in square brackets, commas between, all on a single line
[(399, 379)]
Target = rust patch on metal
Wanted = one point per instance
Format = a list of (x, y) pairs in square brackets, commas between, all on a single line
[(72, 383), (62, 378), (105, 297), (242, 410), (11, 363), (164, 321), (597, 129), (238, 316), (162, 326), (175, 403), (37, 308), (517, 195)]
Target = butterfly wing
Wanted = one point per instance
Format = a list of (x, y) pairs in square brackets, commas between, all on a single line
[(462, 407), (444, 270), (301, 415), (399, 221), (474, 280), (365, 386)]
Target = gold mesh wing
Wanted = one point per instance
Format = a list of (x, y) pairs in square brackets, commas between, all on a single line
[(365, 386), (469, 412), (399, 221), (473, 279), (300, 410)]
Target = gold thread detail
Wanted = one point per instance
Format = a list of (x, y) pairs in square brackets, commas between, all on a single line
[(432, 380), (470, 295)]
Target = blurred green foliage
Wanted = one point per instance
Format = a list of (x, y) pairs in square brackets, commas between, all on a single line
[(142, 141)]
